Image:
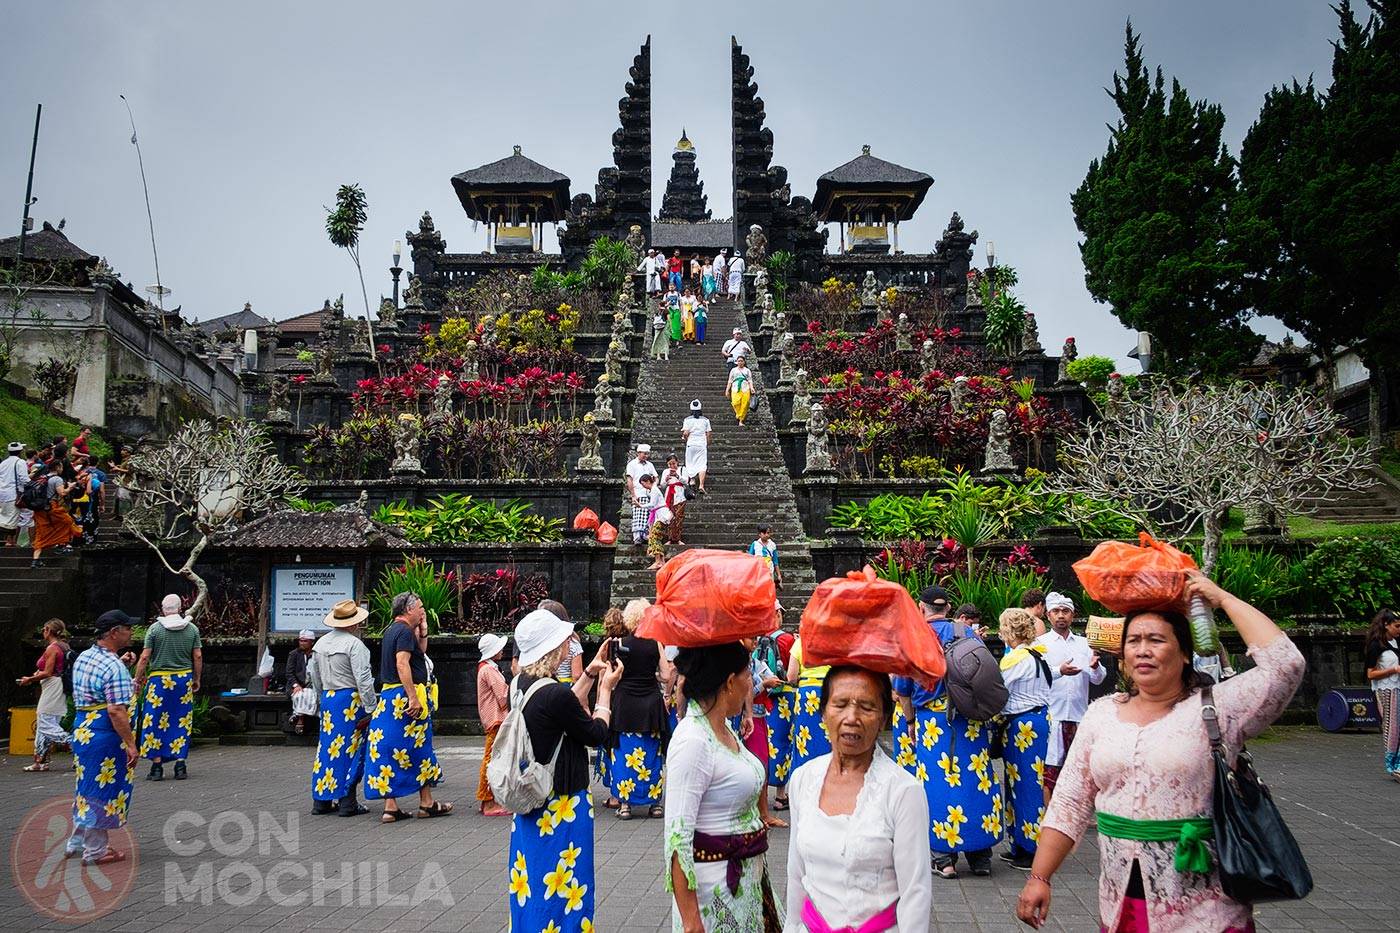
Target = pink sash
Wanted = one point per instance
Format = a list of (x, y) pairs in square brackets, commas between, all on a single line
[(814, 921)]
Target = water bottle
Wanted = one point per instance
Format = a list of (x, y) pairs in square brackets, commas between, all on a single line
[(1205, 641)]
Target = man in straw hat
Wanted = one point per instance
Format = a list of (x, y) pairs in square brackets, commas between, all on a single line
[(400, 760), (342, 680), (491, 691)]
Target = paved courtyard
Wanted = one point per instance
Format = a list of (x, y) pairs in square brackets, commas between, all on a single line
[(234, 848)]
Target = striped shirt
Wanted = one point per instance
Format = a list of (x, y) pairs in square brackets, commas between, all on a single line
[(99, 677)]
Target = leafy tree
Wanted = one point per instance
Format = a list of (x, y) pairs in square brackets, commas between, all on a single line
[(1093, 371), (780, 266), (1153, 212), (343, 226), (608, 264), (1317, 219)]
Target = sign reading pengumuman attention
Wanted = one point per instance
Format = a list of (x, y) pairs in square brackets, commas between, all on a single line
[(303, 594)]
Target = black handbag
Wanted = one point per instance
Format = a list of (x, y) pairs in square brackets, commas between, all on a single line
[(1258, 858)]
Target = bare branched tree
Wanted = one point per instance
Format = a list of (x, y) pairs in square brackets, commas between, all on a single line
[(17, 312), (1176, 459), (199, 484)]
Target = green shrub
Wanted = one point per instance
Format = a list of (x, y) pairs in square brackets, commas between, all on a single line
[(1093, 371), (416, 575), (1356, 577), (459, 519), (22, 420), (992, 590), (1268, 581)]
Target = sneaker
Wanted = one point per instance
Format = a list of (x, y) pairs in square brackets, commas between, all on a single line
[(157, 772), (322, 807), (1022, 861), (1006, 855), (981, 866), (181, 772)]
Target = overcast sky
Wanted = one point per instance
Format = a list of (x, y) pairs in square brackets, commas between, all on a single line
[(251, 114)]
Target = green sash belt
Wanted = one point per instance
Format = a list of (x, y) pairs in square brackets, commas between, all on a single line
[(1189, 834)]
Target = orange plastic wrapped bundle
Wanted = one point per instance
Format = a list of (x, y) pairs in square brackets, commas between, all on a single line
[(709, 597), (872, 623), (1129, 578), (606, 533), (587, 518)]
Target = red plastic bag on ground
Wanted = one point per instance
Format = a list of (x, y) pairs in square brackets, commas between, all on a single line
[(872, 623), (606, 534), (1133, 577), (586, 519), (709, 597)]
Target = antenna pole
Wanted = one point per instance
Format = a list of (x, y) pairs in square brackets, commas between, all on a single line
[(29, 186), (160, 290)]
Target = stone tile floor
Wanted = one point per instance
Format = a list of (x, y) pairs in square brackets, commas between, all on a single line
[(269, 865)]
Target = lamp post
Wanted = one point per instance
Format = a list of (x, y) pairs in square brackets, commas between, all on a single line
[(396, 270), (991, 270)]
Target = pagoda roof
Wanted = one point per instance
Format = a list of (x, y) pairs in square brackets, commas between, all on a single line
[(514, 176), (46, 243), (246, 319), (709, 235), (311, 323), (868, 177)]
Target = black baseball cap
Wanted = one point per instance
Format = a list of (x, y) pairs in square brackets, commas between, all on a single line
[(933, 595), (969, 611), (111, 619)]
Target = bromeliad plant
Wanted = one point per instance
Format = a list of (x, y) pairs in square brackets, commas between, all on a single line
[(436, 588), (459, 519)]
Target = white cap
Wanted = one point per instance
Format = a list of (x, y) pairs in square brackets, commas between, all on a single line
[(643, 448), (695, 404), (539, 633), (170, 605), (16, 447), (490, 645), (306, 635), (1055, 600), (738, 332)]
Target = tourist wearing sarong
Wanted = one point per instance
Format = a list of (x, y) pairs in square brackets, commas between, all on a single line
[(491, 691), (660, 338), (1383, 670), (53, 526), (673, 484), (1024, 732), (858, 856), (707, 280), (740, 389), (753, 725), (168, 675), (640, 728), (716, 842), (399, 760), (952, 759), (809, 738), (688, 317), (342, 679), (695, 431), (53, 704), (550, 859), (673, 315), (104, 747)]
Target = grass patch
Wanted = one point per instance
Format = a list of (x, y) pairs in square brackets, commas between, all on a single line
[(1390, 461), (1308, 528), (22, 420)]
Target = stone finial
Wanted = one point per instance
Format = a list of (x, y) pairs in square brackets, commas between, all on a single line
[(388, 314), (957, 395), (865, 149)]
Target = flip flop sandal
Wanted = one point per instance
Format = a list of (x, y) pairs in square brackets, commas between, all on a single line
[(36, 767), (774, 823), (108, 857), (656, 811), (780, 803), (612, 803), (393, 816), (437, 809), (624, 812), (949, 873)]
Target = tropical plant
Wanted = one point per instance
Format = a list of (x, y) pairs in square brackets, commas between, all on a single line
[(303, 505), (1093, 371), (1264, 579), (454, 518), (608, 264), (495, 600), (1006, 314), (344, 224), (780, 266), (967, 524), (436, 588), (992, 589), (1357, 577)]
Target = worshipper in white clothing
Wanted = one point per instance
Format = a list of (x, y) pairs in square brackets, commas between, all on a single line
[(638, 467), (695, 431), (721, 269), (1023, 727), (652, 266), (736, 276), (1074, 666), (858, 855), (736, 347)]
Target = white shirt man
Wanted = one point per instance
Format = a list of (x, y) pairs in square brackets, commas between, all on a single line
[(1074, 666), (637, 467), (14, 475), (721, 270), (736, 347), (651, 266)]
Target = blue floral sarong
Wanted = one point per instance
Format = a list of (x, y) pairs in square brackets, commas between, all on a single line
[(103, 792), (1026, 737), (340, 752), (954, 763), (809, 738), (551, 866), (167, 716), (780, 735), (399, 759), (636, 769)]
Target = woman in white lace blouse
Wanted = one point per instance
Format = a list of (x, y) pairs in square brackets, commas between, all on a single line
[(858, 857), (1141, 768)]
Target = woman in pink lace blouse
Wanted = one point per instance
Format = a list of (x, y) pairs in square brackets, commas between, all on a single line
[(1143, 756)]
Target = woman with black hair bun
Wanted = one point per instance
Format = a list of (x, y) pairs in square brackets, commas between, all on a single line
[(1383, 671), (715, 839)]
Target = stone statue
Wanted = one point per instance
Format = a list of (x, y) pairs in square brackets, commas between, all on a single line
[(359, 336), (325, 358), (637, 242), (442, 400), (471, 362), (1068, 354), (801, 398), (869, 291), (1117, 398), (413, 295), (779, 322), (613, 361), (602, 400), (818, 452), (958, 394), (765, 306), (488, 331), (1030, 336), (786, 344), (760, 282), (998, 444), (406, 439), (903, 334), (277, 402), (882, 306), (756, 247), (388, 314), (102, 270), (927, 361), (590, 449), (360, 504)]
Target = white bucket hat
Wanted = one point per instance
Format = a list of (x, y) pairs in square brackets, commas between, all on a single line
[(490, 645), (539, 633), (643, 448), (695, 404)]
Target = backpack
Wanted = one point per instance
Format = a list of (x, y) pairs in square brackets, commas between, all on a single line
[(66, 675), (35, 496), (767, 651), (517, 781), (973, 678)]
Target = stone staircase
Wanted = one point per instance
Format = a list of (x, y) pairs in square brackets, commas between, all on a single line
[(747, 481), (1377, 503), (30, 597)]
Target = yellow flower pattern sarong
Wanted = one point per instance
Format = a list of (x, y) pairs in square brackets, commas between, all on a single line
[(167, 716), (103, 793), (340, 751), (399, 756), (551, 866)]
